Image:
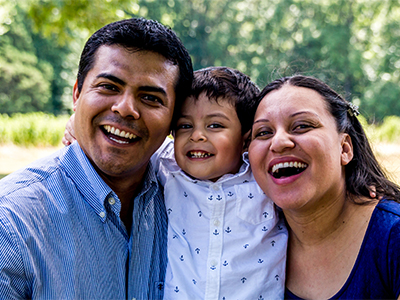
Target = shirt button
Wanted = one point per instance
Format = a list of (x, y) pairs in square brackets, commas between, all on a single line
[(217, 222), (215, 187), (111, 200), (102, 214)]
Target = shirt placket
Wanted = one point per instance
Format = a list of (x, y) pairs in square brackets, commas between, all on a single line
[(216, 200)]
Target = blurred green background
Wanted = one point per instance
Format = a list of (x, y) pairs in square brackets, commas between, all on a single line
[(353, 45)]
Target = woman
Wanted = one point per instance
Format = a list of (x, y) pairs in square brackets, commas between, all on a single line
[(311, 156)]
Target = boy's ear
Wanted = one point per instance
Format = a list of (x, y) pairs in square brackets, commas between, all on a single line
[(246, 141)]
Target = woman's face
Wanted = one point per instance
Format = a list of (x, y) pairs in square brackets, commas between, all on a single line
[(297, 155)]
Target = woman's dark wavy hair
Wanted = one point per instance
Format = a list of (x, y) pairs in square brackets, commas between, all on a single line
[(228, 84), (363, 171), (140, 34)]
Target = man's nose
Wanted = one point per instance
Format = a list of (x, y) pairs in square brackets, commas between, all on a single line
[(126, 106)]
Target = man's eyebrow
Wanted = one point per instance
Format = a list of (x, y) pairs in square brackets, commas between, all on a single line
[(112, 78), (149, 88), (145, 88)]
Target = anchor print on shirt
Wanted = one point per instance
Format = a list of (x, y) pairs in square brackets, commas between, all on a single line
[(230, 194), (250, 196), (219, 198), (228, 230), (225, 263), (185, 194), (197, 250)]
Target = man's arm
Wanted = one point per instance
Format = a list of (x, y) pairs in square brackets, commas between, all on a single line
[(13, 281), (69, 133)]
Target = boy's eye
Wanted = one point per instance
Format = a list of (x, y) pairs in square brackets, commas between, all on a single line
[(183, 126), (215, 125)]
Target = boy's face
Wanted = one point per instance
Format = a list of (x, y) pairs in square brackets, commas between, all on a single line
[(208, 138)]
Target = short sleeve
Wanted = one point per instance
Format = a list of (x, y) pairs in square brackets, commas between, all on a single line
[(12, 274)]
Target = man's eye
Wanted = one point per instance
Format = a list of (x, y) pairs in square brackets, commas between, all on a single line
[(109, 87), (151, 98)]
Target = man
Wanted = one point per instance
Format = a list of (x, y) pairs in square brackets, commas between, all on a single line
[(89, 222)]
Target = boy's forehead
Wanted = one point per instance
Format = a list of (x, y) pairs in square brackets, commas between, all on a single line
[(204, 100)]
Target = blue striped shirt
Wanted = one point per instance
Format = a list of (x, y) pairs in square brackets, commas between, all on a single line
[(61, 236)]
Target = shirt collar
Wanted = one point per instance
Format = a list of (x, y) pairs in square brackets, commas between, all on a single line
[(87, 180)]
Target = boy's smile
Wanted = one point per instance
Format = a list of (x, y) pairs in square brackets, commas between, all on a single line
[(208, 138)]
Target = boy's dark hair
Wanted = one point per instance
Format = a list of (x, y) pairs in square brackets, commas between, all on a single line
[(139, 34), (363, 171), (231, 85)]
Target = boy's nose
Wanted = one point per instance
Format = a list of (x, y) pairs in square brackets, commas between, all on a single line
[(198, 136)]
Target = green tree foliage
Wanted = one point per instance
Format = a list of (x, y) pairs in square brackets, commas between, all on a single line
[(354, 45), (31, 67)]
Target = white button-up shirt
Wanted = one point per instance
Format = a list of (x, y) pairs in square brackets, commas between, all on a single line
[(225, 238)]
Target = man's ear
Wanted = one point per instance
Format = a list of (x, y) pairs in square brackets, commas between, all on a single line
[(246, 141), (75, 95), (347, 149)]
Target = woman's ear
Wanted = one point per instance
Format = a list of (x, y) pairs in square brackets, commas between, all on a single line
[(246, 141), (347, 149)]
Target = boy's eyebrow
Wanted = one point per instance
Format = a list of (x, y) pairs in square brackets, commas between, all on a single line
[(145, 88), (217, 115), (208, 116)]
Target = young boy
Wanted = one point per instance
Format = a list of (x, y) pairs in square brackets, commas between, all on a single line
[(225, 238)]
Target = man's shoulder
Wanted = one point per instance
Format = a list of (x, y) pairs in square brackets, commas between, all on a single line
[(35, 172)]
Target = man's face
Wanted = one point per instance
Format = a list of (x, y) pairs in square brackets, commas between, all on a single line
[(124, 110)]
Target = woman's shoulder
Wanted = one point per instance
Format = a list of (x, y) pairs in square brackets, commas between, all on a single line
[(389, 206)]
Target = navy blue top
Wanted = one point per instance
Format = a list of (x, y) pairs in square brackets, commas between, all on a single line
[(376, 273)]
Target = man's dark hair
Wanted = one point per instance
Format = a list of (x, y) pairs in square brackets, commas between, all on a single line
[(363, 171), (228, 84), (140, 34)]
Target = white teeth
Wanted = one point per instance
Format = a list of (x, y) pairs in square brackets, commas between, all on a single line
[(120, 133), (288, 165), (197, 154)]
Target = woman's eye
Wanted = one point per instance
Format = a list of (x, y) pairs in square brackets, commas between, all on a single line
[(302, 127), (262, 133)]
